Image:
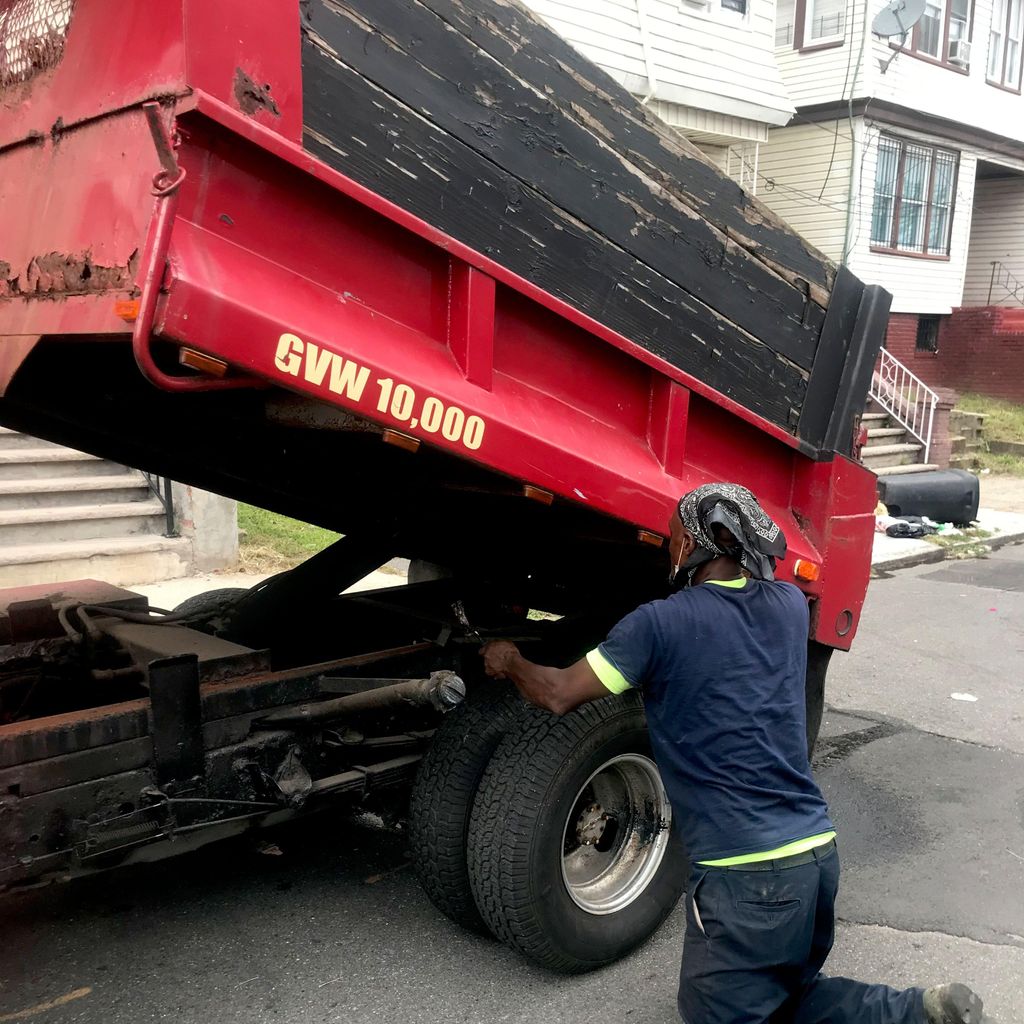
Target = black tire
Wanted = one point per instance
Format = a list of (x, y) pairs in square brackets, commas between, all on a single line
[(211, 612), (421, 571), (443, 793), (518, 834), (212, 602), (818, 656)]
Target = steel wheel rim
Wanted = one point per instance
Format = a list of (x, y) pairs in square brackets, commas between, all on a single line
[(616, 834)]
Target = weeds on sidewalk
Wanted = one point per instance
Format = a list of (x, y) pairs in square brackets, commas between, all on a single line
[(969, 543), (268, 542)]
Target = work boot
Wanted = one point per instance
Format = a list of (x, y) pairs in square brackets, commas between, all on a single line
[(952, 1004)]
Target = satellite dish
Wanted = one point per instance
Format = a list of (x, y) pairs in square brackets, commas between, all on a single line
[(897, 17)]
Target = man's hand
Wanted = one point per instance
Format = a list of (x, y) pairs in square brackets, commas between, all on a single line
[(557, 689), (498, 656)]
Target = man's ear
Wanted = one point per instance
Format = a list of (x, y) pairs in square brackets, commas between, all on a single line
[(689, 544)]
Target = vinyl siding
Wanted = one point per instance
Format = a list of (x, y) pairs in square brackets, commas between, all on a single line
[(997, 233), (793, 166), (967, 99), (828, 75), (706, 60), (917, 285)]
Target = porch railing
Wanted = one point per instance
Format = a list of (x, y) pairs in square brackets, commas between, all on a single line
[(1002, 281), (161, 489), (906, 398)]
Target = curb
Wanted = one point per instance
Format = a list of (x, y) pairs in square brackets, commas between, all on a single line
[(940, 554)]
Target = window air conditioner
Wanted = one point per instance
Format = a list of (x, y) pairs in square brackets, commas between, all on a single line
[(959, 52)]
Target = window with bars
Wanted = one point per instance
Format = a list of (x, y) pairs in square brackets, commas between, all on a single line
[(914, 193), (927, 339), (1005, 41)]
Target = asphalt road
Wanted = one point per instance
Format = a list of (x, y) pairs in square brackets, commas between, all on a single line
[(927, 792)]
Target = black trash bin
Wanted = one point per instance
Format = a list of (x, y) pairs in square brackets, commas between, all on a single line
[(945, 495)]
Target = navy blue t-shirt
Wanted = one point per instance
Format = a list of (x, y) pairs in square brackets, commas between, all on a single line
[(722, 669)]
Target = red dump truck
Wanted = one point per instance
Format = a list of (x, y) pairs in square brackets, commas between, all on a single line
[(419, 273)]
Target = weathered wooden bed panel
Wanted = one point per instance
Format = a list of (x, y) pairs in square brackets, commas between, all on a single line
[(489, 126)]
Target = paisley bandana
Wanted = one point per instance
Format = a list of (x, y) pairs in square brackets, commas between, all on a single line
[(760, 541)]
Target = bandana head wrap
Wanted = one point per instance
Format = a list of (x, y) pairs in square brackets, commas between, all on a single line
[(759, 540)]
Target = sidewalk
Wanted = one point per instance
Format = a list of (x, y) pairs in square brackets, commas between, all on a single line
[(1001, 514), (170, 593)]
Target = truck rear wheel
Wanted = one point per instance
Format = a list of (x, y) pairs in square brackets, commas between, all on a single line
[(443, 793), (572, 857)]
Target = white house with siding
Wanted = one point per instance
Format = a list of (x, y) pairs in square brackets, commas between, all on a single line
[(706, 67), (905, 157)]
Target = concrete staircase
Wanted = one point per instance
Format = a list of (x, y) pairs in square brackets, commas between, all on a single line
[(968, 437), (68, 515), (890, 448)]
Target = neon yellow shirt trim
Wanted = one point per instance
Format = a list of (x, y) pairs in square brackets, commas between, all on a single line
[(612, 679), (734, 584), (799, 846)]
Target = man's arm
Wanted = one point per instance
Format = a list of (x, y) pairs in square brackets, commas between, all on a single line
[(557, 689)]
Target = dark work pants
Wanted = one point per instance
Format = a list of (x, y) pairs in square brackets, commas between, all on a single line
[(756, 942)]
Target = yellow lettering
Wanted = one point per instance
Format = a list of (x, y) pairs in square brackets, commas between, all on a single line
[(348, 378), (317, 362), (289, 350)]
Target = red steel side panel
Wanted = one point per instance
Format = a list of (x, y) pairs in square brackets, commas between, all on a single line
[(116, 54), (262, 45), (73, 216)]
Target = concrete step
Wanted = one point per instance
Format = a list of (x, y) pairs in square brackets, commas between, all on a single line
[(914, 467), (890, 455), (22, 463), (118, 560), (874, 419), (26, 492), (885, 435), (80, 522), (11, 440)]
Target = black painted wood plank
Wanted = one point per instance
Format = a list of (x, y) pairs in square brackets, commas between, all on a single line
[(413, 54), (369, 135), (833, 352), (866, 340), (537, 54)]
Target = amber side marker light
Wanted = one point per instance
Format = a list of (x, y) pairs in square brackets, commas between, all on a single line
[(807, 571), (127, 309), (647, 537), (536, 494), (206, 364), (399, 440)]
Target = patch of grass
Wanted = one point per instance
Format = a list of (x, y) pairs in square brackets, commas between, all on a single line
[(1001, 465), (969, 543), (269, 542), (1004, 421)]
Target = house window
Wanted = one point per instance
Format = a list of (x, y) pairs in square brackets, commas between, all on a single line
[(807, 24), (914, 188), (1005, 39), (739, 6), (824, 20), (927, 334), (943, 33)]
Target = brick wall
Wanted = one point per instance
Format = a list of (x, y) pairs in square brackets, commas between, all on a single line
[(980, 349)]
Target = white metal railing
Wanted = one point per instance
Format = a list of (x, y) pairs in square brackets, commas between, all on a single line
[(906, 398)]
